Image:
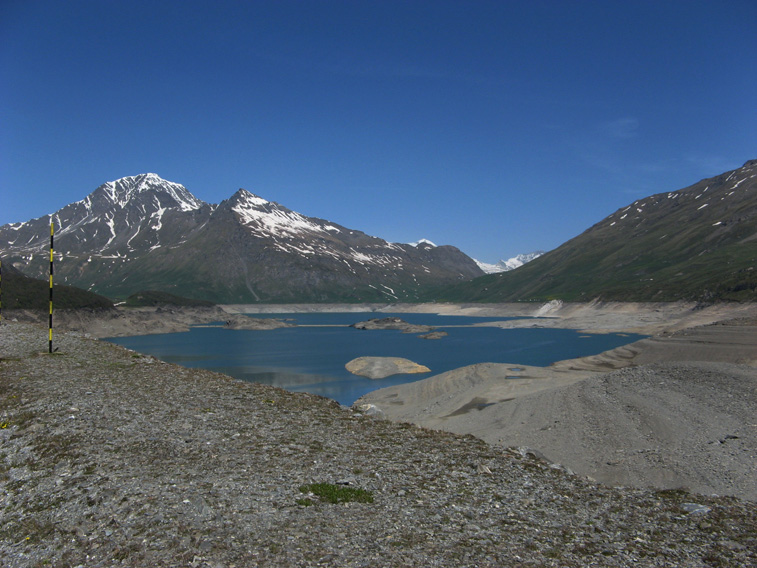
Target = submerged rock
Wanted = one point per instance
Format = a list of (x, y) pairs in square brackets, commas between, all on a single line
[(382, 367), (434, 335)]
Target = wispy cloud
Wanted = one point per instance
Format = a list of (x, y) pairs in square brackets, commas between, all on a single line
[(621, 128), (710, 165)]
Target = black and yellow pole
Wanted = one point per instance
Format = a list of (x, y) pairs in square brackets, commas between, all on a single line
[(50, 335), (1, 291)]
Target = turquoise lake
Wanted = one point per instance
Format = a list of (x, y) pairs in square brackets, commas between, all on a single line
[(311, 357)]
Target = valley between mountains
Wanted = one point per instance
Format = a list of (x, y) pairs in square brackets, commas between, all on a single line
[(143, 233)]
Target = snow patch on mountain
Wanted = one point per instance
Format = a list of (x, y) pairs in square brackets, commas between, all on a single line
[(270, 219), (416, 244), (718, 190)]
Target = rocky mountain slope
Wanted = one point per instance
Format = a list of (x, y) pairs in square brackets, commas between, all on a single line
[(697, 243), (143, 232)]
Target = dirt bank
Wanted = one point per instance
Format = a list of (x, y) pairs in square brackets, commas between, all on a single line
[(119, 322)]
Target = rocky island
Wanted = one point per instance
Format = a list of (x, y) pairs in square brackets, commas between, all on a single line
[(394, 323)]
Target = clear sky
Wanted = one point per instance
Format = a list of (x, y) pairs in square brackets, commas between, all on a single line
[(500, 127)]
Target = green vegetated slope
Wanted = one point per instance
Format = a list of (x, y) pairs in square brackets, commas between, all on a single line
[(698, 243), (22, 292)]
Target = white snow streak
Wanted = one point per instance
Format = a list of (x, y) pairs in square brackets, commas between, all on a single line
[(128, 243), (158, 219), (738, 183), (112, 226)]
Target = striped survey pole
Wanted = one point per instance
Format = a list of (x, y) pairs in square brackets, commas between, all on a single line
[(50, 335), (1, 291)]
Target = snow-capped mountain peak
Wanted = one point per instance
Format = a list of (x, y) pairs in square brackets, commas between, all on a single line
[(247, 200), (126, 190), (115, 220), (143, 231)]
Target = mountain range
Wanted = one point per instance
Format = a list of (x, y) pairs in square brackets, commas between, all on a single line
[(698, 243), (145, 233)]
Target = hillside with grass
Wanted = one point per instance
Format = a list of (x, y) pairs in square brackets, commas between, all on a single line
[(695, 244)]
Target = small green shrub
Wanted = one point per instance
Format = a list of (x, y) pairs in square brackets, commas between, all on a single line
[(337, 493)]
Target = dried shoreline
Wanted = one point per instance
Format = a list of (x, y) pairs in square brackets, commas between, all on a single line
[(593, 317), (110, 458)]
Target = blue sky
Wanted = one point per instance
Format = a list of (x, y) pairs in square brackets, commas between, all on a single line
[(498, 127)]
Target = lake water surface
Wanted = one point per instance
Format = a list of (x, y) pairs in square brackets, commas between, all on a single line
[(311, 357)]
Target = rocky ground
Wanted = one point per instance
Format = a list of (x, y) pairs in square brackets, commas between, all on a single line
[(109, 458), (119, 322)]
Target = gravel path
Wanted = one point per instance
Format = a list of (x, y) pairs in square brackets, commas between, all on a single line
[(109, 458)]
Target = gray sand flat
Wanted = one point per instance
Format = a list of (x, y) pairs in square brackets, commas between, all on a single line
[(677, 410), (667, 425)]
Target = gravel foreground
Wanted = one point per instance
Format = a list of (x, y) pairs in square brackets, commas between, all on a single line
[(110, 458)]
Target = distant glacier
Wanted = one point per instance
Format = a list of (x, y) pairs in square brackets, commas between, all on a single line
[(510, 264)]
